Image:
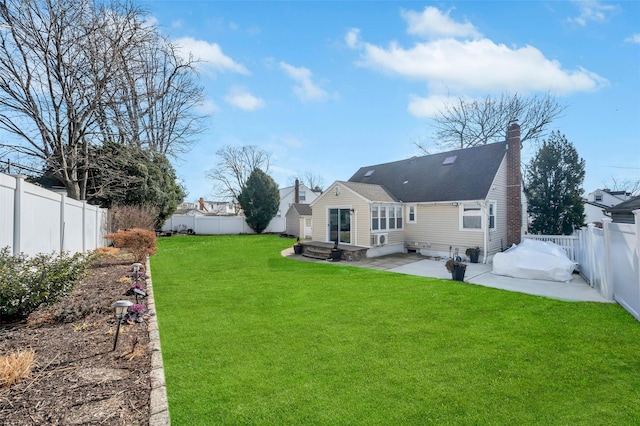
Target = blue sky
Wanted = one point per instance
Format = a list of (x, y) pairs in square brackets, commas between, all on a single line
[(328, 87)]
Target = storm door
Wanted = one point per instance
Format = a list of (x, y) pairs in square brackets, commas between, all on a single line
[(340, 225)]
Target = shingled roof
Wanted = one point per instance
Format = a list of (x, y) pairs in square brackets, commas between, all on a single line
[(371, 192), (626, 206), (302, 209), (464, 174)]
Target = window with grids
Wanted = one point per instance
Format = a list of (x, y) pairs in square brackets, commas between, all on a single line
[(411, 214), (386, 217)]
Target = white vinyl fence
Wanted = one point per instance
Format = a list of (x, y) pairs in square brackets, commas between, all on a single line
[(217, 225), (622, 246), (567, 242), (607, 258), (35, 220)]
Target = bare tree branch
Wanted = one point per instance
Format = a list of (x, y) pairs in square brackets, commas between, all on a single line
[(235, 165), (464, 123)]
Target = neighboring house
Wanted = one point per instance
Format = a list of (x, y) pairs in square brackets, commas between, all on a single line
[(298, 221), (623, 212), (438, 204), (208, 208), (598, 201), (299, 193)]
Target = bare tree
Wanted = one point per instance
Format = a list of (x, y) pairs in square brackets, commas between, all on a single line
[(313, 181), (627, 185), (56, 60), (235, 165), (156, 98), (78, 73), (465, 123)]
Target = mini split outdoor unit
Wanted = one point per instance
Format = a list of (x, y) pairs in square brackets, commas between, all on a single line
[(380, 239)]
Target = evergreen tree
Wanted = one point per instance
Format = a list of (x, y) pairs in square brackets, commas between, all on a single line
[(554, 187), (259, 200), (125, 175)]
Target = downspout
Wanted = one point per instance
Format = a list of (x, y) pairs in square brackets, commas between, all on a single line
[(355, 226), (485, 242)]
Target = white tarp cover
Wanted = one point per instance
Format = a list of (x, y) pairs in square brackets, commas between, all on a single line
[(535, 260)]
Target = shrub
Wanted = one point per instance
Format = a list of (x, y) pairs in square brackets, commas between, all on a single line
[(15, 367), (130, 217), (28, 282), (140, 242)]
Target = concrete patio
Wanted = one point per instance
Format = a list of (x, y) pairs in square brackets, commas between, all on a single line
[(477, 273)]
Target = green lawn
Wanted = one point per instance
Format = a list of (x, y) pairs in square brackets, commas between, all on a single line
[(250, 337)]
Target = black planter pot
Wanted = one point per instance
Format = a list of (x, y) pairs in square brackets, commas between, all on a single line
[(297, 249), (336, 255), (458, 273), (474, 257)]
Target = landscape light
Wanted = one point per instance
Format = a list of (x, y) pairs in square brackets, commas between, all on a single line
[(120, 307)]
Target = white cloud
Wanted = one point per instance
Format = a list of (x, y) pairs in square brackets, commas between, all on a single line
[(592, 10), (306, 89), (208, 107), (464, 66), (242, 99), (177, 23), (427, 107), (211, 54), (479, 65), (293, 142), (352, 38), (431, 22), (635, 38)]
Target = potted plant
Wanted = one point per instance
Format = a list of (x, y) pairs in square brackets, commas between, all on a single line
[(457, 269), (473, 253), (297, 247)]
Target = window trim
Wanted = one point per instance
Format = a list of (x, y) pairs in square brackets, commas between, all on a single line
[(482, 210), (381, 218), (413, 207)]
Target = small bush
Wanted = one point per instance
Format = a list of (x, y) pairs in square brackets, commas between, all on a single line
[(130, 217), (140, 242), (15, 367), (28, 282)]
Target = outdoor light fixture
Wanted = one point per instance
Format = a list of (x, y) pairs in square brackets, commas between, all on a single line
[(337, 191), (120, 307), (136, 267)]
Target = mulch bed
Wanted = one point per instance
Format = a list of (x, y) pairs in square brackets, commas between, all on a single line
[(76, 378)]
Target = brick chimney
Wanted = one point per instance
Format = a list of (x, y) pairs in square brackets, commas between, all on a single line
[(297, 192), (201, 200), (514, 185)]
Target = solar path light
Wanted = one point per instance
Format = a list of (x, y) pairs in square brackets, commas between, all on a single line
[(120, 307)]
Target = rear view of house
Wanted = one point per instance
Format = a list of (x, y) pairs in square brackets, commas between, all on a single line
[(437, 204)]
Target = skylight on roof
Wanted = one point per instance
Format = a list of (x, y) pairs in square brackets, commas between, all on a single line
[(449, 160), (369, 173)]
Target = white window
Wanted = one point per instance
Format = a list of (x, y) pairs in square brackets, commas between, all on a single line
[(303, 196), (598, 197), (392, 218), (471, 216), (375, 220), (386, 217), (411, 214), (492, 215)]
